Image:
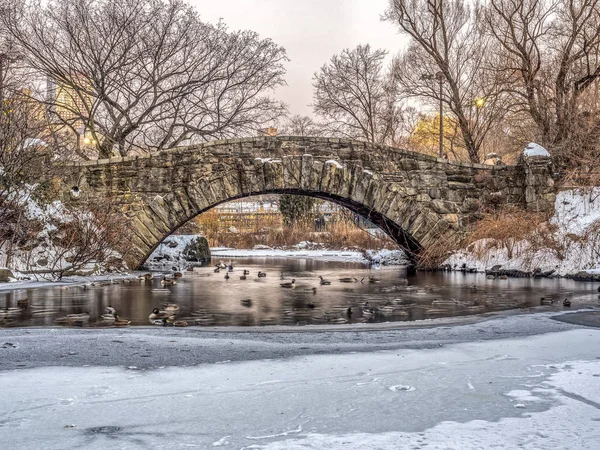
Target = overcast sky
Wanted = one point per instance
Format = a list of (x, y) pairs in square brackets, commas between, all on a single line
[(310, 30)]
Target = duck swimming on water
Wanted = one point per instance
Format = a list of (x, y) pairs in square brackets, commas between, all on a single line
[(290, 284), (323, 281), (163, 316), (348, 280)]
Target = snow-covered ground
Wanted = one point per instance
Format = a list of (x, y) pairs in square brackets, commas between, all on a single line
[(578, 247), (539, 392)]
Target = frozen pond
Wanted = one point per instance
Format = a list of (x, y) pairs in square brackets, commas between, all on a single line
[(205, 298)]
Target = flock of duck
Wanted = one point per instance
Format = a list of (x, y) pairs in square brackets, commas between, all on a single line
[(166, 315)]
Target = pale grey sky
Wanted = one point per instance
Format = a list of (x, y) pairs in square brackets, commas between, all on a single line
[(310, 30)]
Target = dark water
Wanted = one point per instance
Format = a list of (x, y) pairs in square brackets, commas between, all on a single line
[(207, 299)]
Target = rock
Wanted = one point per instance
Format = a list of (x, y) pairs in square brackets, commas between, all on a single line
[(197, 250), (171, 244), (5, 275), (43, 262), (584, 276)]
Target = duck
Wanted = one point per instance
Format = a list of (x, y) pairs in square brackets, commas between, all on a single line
[(242, 277), (217, 269), (177, 275), (546, 301), (227, 276), (162, 317), (348, 280), (146, 277), (168, 281), (323, 281), (290, 284), (107, 319), (567, 303), (262, 274), (230, 268), (368, 312), (171, 308), (74, 319), (121, 322), (246, 302), (371, 280), (221, 265), (246, 272), (112, 318)]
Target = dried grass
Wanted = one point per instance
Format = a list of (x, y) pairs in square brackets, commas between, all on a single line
[(339, 233)]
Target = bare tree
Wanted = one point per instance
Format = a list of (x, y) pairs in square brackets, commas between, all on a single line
[(87, 237), (550, 51), (355, 96), (448, 46), (22, 150), (149, 74), (302, 126)]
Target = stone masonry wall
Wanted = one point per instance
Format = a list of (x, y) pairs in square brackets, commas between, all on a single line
[(419, 200)]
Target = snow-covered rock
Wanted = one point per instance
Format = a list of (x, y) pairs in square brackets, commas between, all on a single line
[(178, 251), (534, 149)]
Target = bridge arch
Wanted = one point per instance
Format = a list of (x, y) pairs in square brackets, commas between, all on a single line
[(421, 201)]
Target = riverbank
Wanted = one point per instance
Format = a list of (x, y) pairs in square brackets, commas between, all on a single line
[(512, 381), (567, 245)]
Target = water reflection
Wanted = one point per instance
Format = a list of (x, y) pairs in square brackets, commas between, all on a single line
[(356, 295)]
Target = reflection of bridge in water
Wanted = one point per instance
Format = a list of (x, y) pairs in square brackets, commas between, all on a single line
[(422, 202)]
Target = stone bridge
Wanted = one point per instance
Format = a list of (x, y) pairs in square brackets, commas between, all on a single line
[(425, 204)]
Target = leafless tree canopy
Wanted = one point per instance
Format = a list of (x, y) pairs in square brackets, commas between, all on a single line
[(147, 73), (448, 41), (528, 67), (302, 126), (550, 52), (355, 96)]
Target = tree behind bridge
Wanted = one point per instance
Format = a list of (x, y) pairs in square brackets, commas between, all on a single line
[(146, 74), (356, 97)]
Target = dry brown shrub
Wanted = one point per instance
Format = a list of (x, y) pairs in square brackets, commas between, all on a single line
[(340, 232), (511, 227)]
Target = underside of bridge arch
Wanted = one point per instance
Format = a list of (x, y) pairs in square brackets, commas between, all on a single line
[(404, 240)]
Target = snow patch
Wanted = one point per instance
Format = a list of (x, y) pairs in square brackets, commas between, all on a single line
[(333, 162), (401, 388), (534, 149)]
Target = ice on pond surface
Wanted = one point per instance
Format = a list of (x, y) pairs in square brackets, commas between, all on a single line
[(315, 402)]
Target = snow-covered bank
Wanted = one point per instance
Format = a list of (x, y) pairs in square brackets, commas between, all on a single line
[(574, 232), (51, 237), (381, 257), (533, 393)]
